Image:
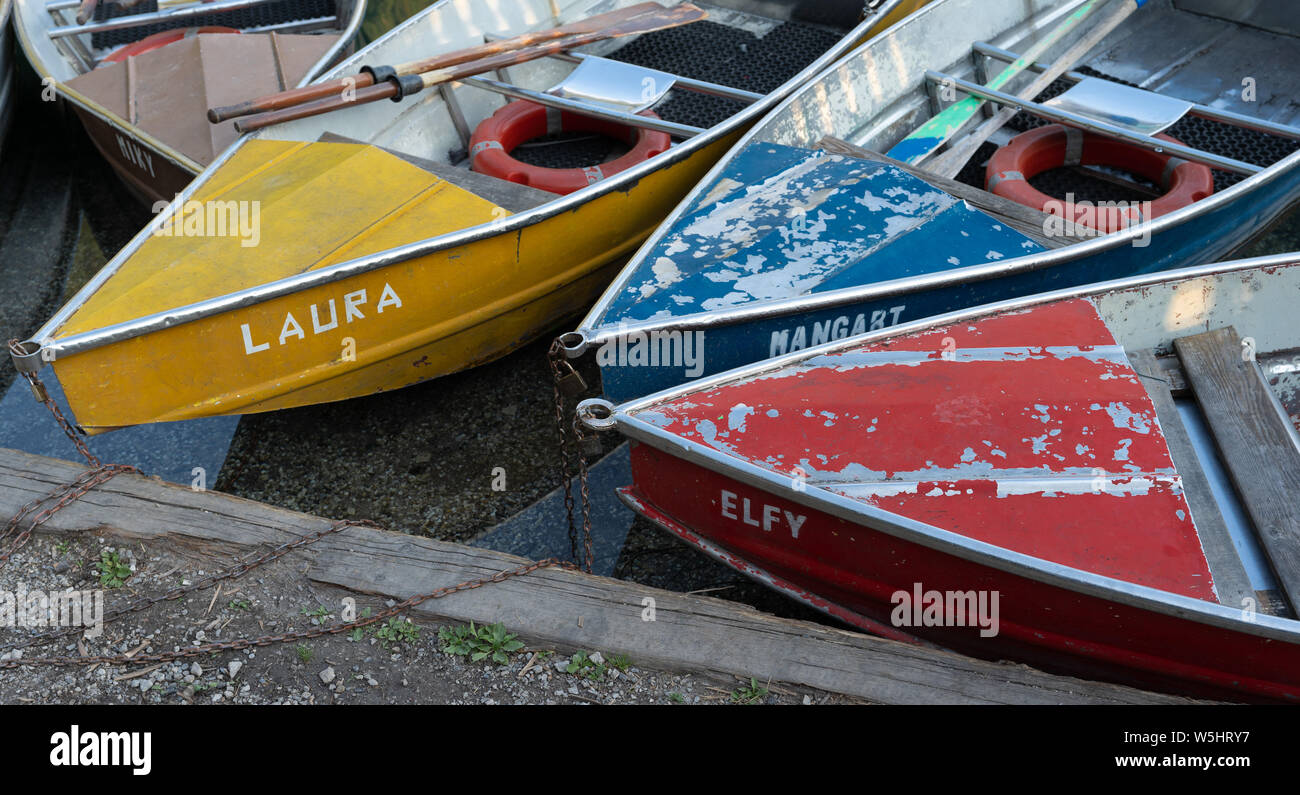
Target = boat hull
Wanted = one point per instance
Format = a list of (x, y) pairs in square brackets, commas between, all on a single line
[(147, 170), (451, 299), (443, 312), (854, 573), (152, 170), (1202, 238)]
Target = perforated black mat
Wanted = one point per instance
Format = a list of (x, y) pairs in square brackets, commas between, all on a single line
[(704, 51), (255, 16), (1222, 139)]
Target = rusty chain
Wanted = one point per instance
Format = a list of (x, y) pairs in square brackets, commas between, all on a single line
[(579, 434), (43, 395), (555, 357), (239, 644), (62, 497), (565, 378), (239, 569), (100, 473)]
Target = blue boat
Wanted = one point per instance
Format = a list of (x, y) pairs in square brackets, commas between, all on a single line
[(804, 233)]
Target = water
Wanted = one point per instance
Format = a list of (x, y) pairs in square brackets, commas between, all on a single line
[(190, 452)]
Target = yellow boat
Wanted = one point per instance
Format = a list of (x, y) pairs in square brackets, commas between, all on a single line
[(355, 252)]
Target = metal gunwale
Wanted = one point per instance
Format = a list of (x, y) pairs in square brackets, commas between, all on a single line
[(43, 339)]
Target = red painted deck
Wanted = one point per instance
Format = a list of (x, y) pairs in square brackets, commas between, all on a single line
[(1029, 431)]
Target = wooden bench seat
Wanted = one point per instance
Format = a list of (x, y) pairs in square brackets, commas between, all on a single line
[(1257, 442)]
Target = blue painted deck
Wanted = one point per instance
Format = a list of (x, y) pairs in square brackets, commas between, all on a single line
[(863, 223), (785, 221)]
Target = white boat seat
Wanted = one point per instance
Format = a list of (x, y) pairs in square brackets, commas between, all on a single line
[(1143, 112), (615, 85)]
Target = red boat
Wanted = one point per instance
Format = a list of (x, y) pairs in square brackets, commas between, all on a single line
[(1018, 481)]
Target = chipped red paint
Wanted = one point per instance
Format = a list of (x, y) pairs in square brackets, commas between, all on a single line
[(1027, 430), (851, 572)]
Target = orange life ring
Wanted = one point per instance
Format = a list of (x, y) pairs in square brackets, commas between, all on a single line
[(158, 40), (521, 121), (1054, 145)]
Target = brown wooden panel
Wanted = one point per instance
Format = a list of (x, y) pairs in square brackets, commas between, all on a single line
[(1258, 446), (1231, 581)]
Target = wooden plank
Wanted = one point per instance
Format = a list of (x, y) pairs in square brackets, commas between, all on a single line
[(1231, 581), (511, 195), (553, 607), (1025, 220), (1172, 371), (1257, 444)]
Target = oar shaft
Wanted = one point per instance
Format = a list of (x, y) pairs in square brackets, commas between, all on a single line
[(951, 162), (287, 99), (927, 138), (335, 100), (385, 90), (297, 96), (678, 15)]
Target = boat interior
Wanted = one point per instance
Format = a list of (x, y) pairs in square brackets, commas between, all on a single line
[(65, 49), (139, 66), (1220, 359), (715, 68), (1193, 69)]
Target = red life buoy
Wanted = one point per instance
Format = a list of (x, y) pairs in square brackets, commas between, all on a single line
[(1054, 145), (158, 40), (521, 121)]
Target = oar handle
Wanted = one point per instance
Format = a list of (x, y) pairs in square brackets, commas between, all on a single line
[(384, 90), (86, 11), (396, 85), (286, 99), (297, 96)]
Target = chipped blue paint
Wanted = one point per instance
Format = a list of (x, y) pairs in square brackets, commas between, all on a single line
[(936, 246), (783, 221)]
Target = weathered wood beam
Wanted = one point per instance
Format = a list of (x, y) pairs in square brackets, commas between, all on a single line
[(553, 607)]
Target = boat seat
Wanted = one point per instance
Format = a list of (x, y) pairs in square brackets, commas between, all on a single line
[(1164, 381), (511, 195), (1144, 112), (615, 85), (1256, 440)]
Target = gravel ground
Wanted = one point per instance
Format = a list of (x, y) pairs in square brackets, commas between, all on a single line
[(274, 599)]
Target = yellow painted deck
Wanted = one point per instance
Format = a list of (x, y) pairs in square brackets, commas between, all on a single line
[(383, 329)]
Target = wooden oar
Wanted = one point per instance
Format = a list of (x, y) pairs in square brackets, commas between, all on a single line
[(297, 96), (410, 84), (927, 138), (951, 162), (86, 11)]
